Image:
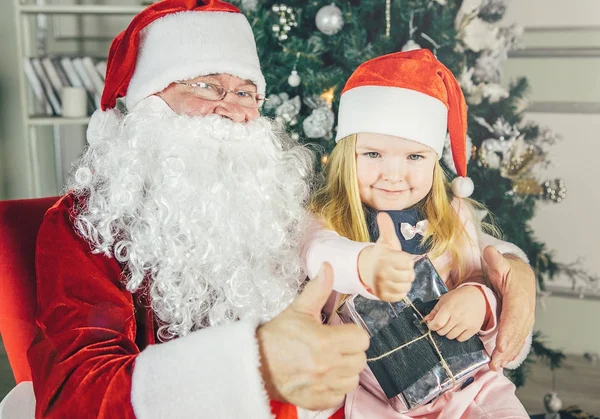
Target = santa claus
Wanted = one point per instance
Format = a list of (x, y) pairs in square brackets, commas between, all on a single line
[(168, 275)]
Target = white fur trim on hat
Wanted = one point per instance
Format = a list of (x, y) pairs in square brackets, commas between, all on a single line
[(394, 111), (102, 124), (185, 45)]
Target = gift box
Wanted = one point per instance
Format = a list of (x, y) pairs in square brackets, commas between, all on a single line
[(412, 365)]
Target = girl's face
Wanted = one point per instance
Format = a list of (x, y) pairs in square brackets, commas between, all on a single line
[(393, 173)]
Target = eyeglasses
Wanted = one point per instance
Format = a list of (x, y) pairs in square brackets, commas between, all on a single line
[(215, 92)]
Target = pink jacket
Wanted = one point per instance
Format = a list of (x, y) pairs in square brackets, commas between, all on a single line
[(490, 395)]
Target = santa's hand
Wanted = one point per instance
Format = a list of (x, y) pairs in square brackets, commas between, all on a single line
[(384, 268), (306, 363), (459, 314), (514, 282)]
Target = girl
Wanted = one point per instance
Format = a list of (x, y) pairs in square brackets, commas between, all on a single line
[(395, 111)]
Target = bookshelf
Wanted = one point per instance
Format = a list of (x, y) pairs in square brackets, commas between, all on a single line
[(28, 38)]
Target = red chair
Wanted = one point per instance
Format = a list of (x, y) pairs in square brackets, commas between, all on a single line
[(20, 221)]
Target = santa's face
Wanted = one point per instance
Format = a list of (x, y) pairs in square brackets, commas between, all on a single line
[(185, 100), (205, 212)]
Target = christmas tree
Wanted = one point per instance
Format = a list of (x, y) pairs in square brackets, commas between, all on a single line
[(309, 49)]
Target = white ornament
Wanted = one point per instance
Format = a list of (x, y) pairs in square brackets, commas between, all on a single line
[(319, 123), (493, 152), (411, 45), (468, 10), (274, 101), (552, 403), (329, 19), (294, 79), (513, 37), (442, 2), (466, 79), (488, 66), (285, 109), (494, 92), (289, 110), (479, 35)]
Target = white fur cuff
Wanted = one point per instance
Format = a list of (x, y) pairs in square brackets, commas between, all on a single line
[(501, 246), (212, 373), (522, 354)]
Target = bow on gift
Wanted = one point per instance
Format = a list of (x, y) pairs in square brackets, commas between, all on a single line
[(409, 231)]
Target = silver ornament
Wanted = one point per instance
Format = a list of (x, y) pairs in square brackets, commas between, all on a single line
[(294, 79), (289, 110), (493, 152), (411, 45), (329, 19), (286, 110), (319, 123), (552, 403), (274, 101)]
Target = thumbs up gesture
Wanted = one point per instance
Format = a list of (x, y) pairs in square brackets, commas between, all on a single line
[(306, 363), (384, 268)]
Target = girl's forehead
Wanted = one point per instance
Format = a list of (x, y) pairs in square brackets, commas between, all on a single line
[(390, 142)]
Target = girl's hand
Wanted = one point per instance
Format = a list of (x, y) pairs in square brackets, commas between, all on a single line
[(459, 314), (384, 268)]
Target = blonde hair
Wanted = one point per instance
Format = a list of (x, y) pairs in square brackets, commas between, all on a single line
[(338, 203)]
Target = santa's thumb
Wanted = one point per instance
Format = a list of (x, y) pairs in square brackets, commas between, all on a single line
[(316, 293), (494, 261), (387, 231)]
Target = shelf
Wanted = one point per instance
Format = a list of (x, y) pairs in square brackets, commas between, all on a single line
[(81, 9), (56, 120)]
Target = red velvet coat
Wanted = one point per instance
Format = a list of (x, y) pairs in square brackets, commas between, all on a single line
[(92, 331)]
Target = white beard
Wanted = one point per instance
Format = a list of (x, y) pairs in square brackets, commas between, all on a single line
[(205, 212)]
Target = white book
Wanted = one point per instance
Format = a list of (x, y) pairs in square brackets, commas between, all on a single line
[(36, 86), (75, 80), (60, 71), (97, 81), (85, 78), (53, 76), (39, 71), (101, 67)]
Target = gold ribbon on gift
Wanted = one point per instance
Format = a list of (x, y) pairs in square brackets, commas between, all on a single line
[(426, 335)]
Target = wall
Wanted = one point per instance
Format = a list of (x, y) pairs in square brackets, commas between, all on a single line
[(562, 62), (13, 167), (63, 38)]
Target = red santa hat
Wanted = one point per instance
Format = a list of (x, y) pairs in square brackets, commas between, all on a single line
[(176, 40), (410, 95)]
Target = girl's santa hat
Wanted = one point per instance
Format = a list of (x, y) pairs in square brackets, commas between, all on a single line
[(410, 95), (175, 40)]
